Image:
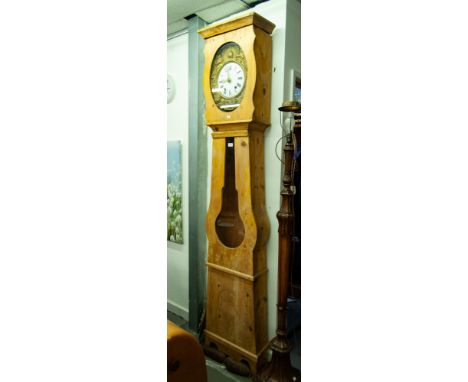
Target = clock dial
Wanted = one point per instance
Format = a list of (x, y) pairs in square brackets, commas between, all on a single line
[(228, 76), (231, 80)]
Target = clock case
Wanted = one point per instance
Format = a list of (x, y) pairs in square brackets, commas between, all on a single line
[(237, 225)]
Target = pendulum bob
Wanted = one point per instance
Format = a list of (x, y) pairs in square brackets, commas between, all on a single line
[(237, 230)]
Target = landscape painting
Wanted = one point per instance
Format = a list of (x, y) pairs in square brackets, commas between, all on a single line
[(174, 192)]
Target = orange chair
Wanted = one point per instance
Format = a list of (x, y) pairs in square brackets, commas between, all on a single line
[(185, 359)]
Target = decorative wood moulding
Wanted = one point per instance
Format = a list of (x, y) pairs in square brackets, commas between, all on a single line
[(251, 18)]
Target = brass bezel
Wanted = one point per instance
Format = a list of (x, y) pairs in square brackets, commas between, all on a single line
[(226, 53)]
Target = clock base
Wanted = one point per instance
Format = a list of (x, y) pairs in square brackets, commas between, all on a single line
[(236, 360)]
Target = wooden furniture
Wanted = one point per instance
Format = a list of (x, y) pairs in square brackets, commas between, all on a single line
[(185, 360), (279, 369), (237, 82), (295, 282)]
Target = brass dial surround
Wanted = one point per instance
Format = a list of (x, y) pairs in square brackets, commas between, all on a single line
[(225, 55)]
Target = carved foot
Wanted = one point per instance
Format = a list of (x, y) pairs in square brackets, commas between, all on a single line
[(214, 353), (236, 367)]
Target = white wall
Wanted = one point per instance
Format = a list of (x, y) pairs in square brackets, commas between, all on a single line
[(293, 45), (177, 129), (284, 48)]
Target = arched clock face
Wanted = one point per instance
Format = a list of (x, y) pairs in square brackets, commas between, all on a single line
[(228, 76)]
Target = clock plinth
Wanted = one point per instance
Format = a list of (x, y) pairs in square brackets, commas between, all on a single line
[(237, 226)]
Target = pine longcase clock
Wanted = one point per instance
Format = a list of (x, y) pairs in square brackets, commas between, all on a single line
[(237, 87)]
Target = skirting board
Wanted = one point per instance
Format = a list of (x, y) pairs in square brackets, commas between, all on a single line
[(177, 309)]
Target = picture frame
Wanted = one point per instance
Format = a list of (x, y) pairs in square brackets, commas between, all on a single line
[(296, 85), (174, 192)]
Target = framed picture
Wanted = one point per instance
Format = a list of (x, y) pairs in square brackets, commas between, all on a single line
[(174, 192), (296, 85)]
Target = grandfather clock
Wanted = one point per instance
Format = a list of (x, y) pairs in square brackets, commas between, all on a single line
[(237, 86)]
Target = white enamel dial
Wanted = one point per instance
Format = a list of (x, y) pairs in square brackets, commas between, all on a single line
[(231, 80)]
